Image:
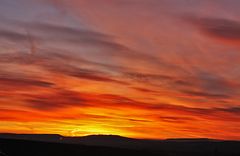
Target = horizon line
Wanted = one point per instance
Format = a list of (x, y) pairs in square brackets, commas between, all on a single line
[(157, 139)]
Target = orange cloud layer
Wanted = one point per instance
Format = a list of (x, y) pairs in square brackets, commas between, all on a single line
[(131, 69)]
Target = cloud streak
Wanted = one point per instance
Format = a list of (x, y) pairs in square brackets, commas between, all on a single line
[(145, 69), (223, 29)]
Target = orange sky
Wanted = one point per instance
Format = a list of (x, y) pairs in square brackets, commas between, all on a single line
[(144, 69)]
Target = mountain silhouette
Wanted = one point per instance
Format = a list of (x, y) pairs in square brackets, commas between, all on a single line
[(53, 144)]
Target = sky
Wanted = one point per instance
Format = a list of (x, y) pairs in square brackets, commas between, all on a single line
[(137, 68)]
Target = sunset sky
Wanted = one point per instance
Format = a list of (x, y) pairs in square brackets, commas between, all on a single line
[(136, 68)]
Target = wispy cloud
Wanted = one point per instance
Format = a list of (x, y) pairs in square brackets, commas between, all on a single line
[(131, 67), (224, 29)]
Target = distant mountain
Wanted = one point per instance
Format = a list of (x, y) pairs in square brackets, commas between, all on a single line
[(34, 137), (201, 146), (94, 138), (192, 140)]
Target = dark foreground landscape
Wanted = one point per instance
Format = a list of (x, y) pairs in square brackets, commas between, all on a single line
[(56, 145)]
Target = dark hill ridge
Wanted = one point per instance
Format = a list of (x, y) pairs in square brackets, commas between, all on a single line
[(57, 137), (103, 140), (37, 137), (196, 147)]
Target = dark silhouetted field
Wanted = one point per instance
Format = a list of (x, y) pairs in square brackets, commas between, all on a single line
[(56, 145)]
